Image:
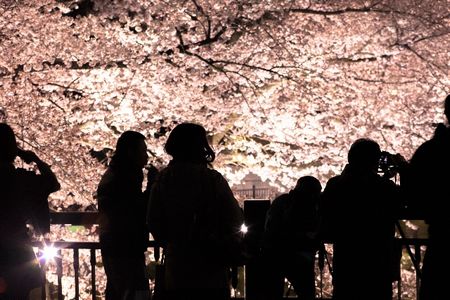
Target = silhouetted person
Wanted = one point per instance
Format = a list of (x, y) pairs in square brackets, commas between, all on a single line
[(359, 212), (429, 191), (192, 214), (23, 198), (290, 240), (123, 232)]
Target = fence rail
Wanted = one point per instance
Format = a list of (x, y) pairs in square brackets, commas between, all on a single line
[(76, 218), (76, 247), (255, 193)]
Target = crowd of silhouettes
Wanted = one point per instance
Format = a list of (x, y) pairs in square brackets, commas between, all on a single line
[(191, 212)]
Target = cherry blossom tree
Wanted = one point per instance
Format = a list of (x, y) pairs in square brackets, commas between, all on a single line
[(283, 87)]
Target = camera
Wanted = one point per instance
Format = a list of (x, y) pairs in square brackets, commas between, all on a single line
[(387, 164)]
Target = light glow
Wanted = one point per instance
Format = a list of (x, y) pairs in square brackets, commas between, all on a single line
[(244, 229), (49, 253)]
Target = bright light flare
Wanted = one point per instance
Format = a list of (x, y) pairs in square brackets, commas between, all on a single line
[(49, 253), (244, 229)]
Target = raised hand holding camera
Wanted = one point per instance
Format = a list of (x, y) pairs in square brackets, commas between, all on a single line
[(27, 156), (391, 164)]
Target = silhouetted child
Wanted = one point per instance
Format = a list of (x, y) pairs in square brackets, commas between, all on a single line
[(290, 240), (23, 198), (123, 232)]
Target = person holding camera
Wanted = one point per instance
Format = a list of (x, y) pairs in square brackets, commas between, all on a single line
[(23, 199), (359, 209), (427, 186), (123, 233)]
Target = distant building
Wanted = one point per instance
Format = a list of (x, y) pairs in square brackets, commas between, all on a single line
[(252, 187)]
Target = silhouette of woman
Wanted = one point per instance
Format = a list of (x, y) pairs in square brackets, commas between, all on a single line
[(191, 210), (123, 233)]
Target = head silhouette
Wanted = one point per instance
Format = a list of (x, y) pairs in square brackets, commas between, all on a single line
[(364, 154), (187, 142), (8, 145), (308, 185), (131, 150)]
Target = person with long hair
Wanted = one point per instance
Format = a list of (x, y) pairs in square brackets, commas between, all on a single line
[(193, 214), (123, 233)]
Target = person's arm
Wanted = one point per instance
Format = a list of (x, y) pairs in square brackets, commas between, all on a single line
[(37, 188), (231, 218), (415, 178), (273, 222), (155, 214), (152, 174), (327, 211), (48, 177), (230, 207)]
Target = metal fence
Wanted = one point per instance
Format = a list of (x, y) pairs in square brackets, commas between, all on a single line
[(412, 245)]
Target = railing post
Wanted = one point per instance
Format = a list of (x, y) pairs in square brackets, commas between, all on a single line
[(93, 263), (59, 273), (156, 253), (44, 279), (76, 267), (418, 256)]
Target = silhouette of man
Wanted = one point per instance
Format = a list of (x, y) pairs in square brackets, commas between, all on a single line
[(123, 233), (428, 185), (23, 198), (359, 210), (290, 239), (192, 214)]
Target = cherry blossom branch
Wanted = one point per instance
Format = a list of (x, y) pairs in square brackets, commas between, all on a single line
[(219, 64)]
